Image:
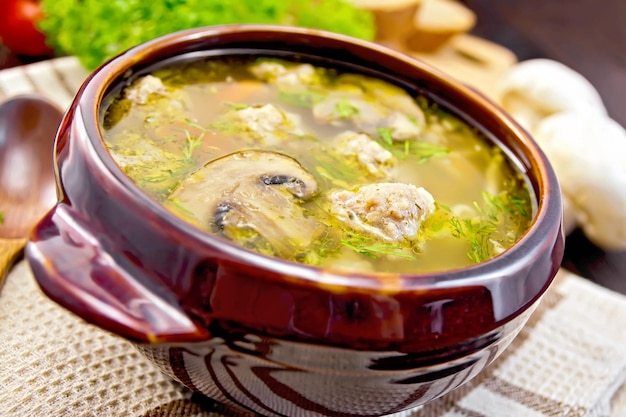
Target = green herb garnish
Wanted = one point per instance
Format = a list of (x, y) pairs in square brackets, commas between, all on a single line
[(477, 234), (327, 245), (335, 169), (424, 151), (344, 109), (505, 203), (306, 99), (236, 106), (385, 135), (370, 248), (1, 217), (179, 206), (482, 231), (191, 143), (191, 123)]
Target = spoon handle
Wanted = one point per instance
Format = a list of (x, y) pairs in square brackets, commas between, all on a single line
[(9, 251)]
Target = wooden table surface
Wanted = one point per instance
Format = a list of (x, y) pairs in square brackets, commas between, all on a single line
[(587, 35)]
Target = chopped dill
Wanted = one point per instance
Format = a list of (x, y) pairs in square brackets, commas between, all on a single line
[(424, 151), (385, 135), (191, 123), (334, 168), (477, 234), (306, 98), (191, 143), (167, 174), (519, 205), (511, 204), (236, 106), (227, 125), (327, 245), (178, 205), (482, 232), (362, 245)]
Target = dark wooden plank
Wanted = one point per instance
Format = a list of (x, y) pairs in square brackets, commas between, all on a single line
[(587, 35)]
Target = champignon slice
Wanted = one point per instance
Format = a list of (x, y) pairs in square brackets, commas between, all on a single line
[(392, 211), (251, 197)]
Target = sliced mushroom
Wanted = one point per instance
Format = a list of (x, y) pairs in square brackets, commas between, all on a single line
[(252, 197)]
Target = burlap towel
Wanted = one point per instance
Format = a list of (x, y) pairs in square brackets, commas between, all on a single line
[(570, 360)]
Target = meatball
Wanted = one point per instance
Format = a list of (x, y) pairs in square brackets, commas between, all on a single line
[(268, 123), (141, 91), (391, 211), (374, 158)]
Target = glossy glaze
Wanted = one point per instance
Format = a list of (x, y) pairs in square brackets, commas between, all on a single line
[(118, 259), (274, 377)]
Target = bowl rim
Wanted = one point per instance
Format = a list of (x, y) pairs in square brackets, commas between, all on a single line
[(546, 221)]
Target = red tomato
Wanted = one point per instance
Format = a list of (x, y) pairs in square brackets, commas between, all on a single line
[(17, 27)]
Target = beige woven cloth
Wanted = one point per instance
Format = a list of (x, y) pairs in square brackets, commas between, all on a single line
[(569, 360)]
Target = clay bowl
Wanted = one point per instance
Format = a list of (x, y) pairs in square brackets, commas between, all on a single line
[(264, 334)]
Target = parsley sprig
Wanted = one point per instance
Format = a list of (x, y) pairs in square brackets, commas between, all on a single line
[(83, 28)]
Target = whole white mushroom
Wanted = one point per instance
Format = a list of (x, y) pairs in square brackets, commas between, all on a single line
[(537, 88), (588, 153), (565, 114)]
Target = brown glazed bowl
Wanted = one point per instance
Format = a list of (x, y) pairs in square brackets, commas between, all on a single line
[(264, 334)]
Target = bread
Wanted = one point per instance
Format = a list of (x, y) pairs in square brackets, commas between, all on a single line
[(436, 22), (394, 18)]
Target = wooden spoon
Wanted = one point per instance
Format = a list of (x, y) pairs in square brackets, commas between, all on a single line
[(28, 124)]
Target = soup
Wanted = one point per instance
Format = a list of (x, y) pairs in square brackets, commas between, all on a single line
[(317, 166)]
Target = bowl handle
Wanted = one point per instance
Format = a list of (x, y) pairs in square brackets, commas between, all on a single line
[(73, 268)]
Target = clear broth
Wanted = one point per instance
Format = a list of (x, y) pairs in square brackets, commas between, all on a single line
[(482, 204)]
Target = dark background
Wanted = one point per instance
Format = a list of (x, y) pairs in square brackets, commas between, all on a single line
[(586, 35)]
